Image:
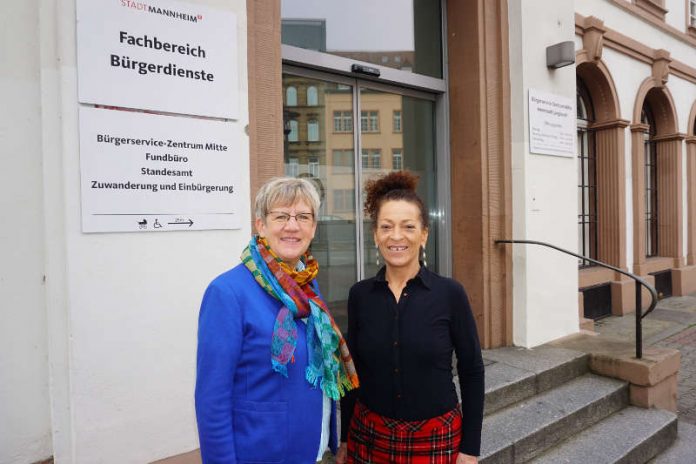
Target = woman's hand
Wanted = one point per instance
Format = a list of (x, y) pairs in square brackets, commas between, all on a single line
[(463, 459), (342, 453)]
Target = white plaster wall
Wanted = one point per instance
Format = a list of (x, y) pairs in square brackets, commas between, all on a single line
[(676, 14), (684, 95), (123, 306), (24, 401), (685, 204), (578, 42), (628, 75), (545, 304), (628, 163), (633, 26)]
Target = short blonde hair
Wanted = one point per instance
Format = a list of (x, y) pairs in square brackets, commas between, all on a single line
[(285, 191)]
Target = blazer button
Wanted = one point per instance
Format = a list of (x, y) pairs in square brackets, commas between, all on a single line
[(396, 370)]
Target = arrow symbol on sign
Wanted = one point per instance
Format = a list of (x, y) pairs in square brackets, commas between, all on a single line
[(179, 223)]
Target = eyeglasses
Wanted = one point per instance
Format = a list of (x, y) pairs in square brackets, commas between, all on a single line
[(278, 217)]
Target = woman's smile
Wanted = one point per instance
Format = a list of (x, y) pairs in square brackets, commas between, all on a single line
[(288, 236), (399, 234)]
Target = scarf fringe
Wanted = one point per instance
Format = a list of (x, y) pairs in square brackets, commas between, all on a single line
[(312, 376), (351, 382), (280, 368), (334, 390), (331, 389)]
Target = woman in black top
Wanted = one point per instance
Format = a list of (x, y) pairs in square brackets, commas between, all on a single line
[(403, 326)]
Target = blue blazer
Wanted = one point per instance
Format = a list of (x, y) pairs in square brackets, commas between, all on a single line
[(247, 412)]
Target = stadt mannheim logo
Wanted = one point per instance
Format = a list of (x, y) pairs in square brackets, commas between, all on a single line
[(146, 8)]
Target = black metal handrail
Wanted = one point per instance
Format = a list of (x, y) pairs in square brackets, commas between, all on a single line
[(639, 307)]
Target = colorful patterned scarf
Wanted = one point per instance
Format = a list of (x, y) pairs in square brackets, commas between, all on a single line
[(330, 364)]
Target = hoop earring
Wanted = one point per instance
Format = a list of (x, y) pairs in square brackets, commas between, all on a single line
[(425, 263)]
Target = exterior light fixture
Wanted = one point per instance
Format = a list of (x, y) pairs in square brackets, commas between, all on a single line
[(560, 54)]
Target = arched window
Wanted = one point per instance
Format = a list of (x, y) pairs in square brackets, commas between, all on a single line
[(313, 130), (291, 96), (650, 163), (312, 96), (293, 135), (587, 177)]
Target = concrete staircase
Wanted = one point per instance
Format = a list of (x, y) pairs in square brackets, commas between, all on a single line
[(544, 406)]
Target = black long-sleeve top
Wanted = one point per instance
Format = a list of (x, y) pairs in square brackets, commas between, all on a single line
[(403, 352)]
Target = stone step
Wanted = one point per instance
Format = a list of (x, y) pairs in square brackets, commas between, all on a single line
[(683, 450), (514, 374), (632, 435), (523, 431)]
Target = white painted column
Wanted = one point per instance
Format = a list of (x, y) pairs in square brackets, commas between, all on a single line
[(24, 397), (545, 303)]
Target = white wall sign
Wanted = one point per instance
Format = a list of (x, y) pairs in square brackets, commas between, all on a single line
[(160, 55), (552, 124), (145, 172)]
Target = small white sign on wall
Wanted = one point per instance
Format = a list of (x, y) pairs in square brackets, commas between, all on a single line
[(159, 55), (552, 124), (143, 172)]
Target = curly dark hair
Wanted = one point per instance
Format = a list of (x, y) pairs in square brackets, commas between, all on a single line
[(398, 185)]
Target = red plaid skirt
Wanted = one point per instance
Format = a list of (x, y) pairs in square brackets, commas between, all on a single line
[(375, 439)]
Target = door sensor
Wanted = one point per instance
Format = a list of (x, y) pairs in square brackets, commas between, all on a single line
[(362, 69)]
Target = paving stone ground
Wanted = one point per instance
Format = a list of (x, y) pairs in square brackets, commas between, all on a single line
[(685, 342)]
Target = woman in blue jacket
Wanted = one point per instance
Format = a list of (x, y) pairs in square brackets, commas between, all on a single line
[(271, 361)]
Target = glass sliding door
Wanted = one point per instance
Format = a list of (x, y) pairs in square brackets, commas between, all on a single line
[(398, 132), (338, 134), (319, 146)]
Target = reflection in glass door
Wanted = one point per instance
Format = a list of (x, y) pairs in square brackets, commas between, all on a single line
[(319, 146), (397, 132), (393, 131)]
